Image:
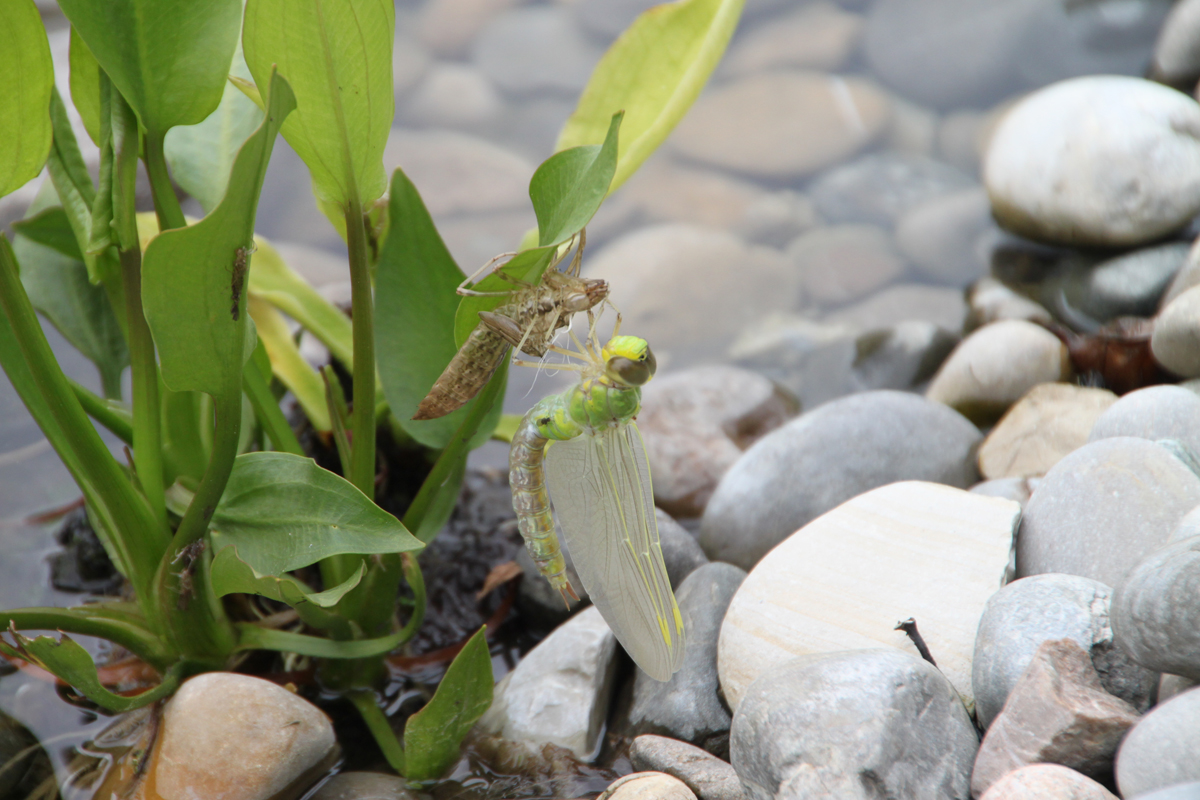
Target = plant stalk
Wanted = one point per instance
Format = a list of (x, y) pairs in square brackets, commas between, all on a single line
[(166, 204), (362, 462), (147, 409)]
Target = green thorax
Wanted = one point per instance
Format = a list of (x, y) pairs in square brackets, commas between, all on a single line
[(592, 405)]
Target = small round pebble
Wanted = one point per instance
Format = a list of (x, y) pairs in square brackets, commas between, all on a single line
[(1163, 749), (647, 786)]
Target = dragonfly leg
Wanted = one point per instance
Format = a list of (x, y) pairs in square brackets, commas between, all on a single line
[(462, 289)]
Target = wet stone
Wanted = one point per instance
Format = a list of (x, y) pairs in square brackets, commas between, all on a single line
[(1163, 749), (1042, 781), (1050, 421), (842, 263), (697, 422), (25, 764), (879, 188), (1104, 508), (991, 301), (707, 776), (816, 725), (536, 49), (363, 786), (648, 786), (940, 305), (817, 35), (1156, 412), (1156, 611), (827, 456), (941, 237), (1042, 608), (1057, 713), (1115, 188), (777, 217), (1187, 276), (1127, 286), (782, 125), (240, 738), (1176, 339), (995, 366), (664, 191), (906, 550), (688, 707), (900, 357)]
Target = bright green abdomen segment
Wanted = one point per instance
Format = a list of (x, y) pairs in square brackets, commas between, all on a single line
[(587, 406)]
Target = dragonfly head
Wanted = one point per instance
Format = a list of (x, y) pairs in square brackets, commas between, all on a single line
[(628, 360)]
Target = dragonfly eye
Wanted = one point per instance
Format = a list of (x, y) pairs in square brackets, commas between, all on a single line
[(631, 372)]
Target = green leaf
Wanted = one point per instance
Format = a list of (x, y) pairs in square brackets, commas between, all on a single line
[(433, 735), (50, 227), (284, 512), (201, 156), (253, 637), (69, 661), (527, 265), (26, 78), (168, 58), (568, 188), (337, 56), (193, 278), (415, 304), (653, 72), (288, 365), (230, 574), (85, 85), (74, 186)]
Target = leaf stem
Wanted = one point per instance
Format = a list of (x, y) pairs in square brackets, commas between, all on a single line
[(120, 424), (166, 204), (362, 461), (377, 722), (147, 409), (266, 408), (228, 412), (134, 638)]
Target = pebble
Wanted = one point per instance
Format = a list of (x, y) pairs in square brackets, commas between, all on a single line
[(707, 776), (912, 130), (1177, 51), (647, 786), (990, 301), (942, 306), (682, 554), (1042, 608), (963, 137), (1180, 791), (1163, 749), (906, 550), (606, 19), (777, 217), (1156, 611), (1187, 276), (688, 707), (697, 422), (447, 27), (900, 357), (1156, 412), (827, 456), (457, 173), (559, 692), (25, 763), (1130, 285), (363, 786), (812, 360), (818, 35), (854, 725), (1050, 421), (473, 239), (1015, 489), (1176, 339), (1058, 713), (1104, 508), (536, 50), (1171, 685), (941, 236), (1100, 160), (688, 290), (842, 263), (453, 95), (239, 738), (666, 191), (782, 125), (996, 365), (1042, 781), (879, 188)]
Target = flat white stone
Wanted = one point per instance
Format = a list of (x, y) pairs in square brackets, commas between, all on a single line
[(842, 582)]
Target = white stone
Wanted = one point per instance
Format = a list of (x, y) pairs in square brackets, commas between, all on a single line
[(559, 692), (1176, 340), (235, 737), (647, 786), (1098, 160), (843, 582), (1177, 51)]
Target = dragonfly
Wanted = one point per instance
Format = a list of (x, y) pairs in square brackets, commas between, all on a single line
[(528, 322), (584, 446)]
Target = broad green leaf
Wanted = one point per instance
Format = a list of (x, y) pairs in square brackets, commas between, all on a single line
[(254, 637), (568, 188), (48, 226), (75, 191), (284, 512), (433, 735), (527, 265), (288, 365), (201, 156), (85, 85), (230, 574), (653, 72), (337, 56), (70, 662), (415, 304), (168, 58), (185, 428), (194, 277), (26, 78)]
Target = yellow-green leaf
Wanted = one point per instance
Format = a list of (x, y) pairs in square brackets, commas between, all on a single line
[(26, 77)]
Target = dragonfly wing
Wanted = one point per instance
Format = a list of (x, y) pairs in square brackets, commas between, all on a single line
[(600, 487)]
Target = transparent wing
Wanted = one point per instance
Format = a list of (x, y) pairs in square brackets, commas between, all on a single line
[(600, 487)]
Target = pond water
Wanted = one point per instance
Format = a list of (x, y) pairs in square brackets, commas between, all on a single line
[(826, 185)]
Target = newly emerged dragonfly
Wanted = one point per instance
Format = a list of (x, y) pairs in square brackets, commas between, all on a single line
[(528, 322), (585, 444)]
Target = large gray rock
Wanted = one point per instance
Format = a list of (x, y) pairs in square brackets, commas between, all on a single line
[(688, 706), (1156, 611), (906, 550), (1156, 412), (1102, 160), (1058, 713), (705, 774), (1129, 285), (559, 692), (1176, 339), (1041, 781), (1042, 608), (854, 725), (1178, 791), (827, 456), (880, 187), (1163, 749), (1103, 508)]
